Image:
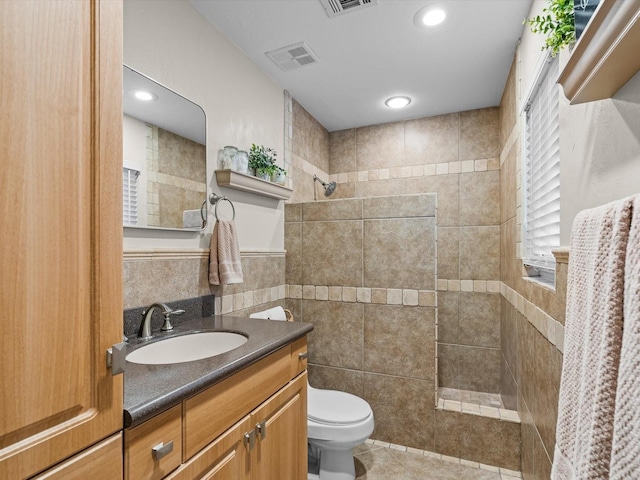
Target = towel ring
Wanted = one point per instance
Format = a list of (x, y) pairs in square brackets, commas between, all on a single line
[(215, 199)]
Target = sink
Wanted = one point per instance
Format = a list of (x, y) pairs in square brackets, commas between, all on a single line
[(187, 348)]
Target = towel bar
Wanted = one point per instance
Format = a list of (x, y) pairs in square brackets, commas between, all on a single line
[(215, 199)]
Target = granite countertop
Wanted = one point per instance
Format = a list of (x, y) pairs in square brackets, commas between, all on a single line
[(151, 389)]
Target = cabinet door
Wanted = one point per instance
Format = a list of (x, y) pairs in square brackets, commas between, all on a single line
[(281, 445), (60, 228), (226, 458)]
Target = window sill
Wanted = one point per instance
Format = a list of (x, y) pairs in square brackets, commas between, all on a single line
[(546, 284)]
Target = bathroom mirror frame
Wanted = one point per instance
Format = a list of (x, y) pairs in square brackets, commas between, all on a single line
[(173, 127)]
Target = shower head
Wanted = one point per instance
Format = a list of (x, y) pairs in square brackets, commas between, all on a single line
[(329, 188)]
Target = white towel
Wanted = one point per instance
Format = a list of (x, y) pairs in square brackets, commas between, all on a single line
[(224, 255), (625, 452), (593, 335), (275, 313)]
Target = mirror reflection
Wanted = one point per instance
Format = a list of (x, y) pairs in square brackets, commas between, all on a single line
[(164, 156)]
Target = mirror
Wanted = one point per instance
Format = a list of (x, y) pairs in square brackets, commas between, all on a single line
[(164, 157)]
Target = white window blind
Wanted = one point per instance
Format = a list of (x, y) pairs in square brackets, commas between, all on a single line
[(541, 219), (130, 175)]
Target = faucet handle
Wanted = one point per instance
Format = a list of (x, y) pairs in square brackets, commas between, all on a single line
[(166, 326)]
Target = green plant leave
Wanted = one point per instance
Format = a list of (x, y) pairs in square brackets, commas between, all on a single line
[(557, 23)]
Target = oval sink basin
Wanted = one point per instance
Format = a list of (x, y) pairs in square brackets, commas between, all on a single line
[(187, 348)]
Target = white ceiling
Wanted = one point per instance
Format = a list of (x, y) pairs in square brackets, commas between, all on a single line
[(372, 53)]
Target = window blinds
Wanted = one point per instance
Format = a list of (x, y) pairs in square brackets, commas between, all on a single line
[(130, 196), (542, 171)]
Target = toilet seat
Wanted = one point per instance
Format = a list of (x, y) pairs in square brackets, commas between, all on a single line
[(331, 407)]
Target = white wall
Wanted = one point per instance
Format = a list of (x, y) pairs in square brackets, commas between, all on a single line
[(599, 141), (169, 41)]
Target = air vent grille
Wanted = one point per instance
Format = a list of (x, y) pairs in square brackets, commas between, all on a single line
[(335, 8), (293, 56)]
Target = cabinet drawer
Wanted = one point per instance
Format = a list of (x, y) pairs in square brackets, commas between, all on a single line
[(140, 460), (213, 411), (298, 363)]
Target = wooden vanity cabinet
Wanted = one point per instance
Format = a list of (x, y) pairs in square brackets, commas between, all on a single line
[(250, 426), (61, 238)]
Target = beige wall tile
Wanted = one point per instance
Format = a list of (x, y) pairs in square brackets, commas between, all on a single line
[(342, 151), (293, 246), (405, 418), (448, 365), (349, 294), (310, 140), (447, 188), (341, 379), (332, 211), (479, 319), (343, 190), (431, 139), (400, 206), (326, 245), (292, 212), (448, 317), (336, 339), (394, 296), (379, 295), (387, 261), (480, 198), (448, 253), (427, 298), (479, 369), (399, 340), (479, 134), (480, 439), (480, 253), (363, 295), (381, 188), (335, 294), (380, 146), (508, 105)]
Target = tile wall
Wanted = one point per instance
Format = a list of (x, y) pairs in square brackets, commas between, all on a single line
[(169, 275), (363, 272), (455, 156), (532, 315)]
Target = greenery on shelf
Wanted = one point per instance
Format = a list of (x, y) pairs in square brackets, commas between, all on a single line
[(263, 160), (557, 23)]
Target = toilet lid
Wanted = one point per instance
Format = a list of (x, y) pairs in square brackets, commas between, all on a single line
[(336, 408)]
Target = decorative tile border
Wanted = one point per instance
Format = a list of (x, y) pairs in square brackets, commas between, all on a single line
[(252, 298), (550, 329), (382, 296), (482, 286), (430, 170), (505, 473)]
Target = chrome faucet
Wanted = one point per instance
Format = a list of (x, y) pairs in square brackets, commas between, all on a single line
[(144, 331)]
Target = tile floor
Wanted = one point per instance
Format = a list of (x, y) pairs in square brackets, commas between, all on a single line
[(379, 461)]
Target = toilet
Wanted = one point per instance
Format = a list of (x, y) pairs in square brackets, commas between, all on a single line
[(337, 422)]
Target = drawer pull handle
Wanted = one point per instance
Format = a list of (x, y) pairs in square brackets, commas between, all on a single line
[(262, 429), (161, 450), (250, 439), (303, 356)]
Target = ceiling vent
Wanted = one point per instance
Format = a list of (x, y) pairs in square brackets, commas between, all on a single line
[(292, 57), (335, 8)]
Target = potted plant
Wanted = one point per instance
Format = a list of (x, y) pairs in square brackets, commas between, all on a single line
[(557, 23), (262, 161), (279, 176)]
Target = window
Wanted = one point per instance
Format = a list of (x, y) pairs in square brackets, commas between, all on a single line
[(541, 169), (130, 175)]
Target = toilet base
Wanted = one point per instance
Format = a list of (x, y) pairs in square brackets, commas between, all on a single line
[(334, 465)]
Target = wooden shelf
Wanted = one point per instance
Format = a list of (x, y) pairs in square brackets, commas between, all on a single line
[(606, 56), (249, 183)]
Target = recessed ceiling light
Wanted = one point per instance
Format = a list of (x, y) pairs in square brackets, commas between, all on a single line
[(397, 102), (429, 16), (144, 95)]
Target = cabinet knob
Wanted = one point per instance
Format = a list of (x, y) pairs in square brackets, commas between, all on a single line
[(303, 356), (162, 450)]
